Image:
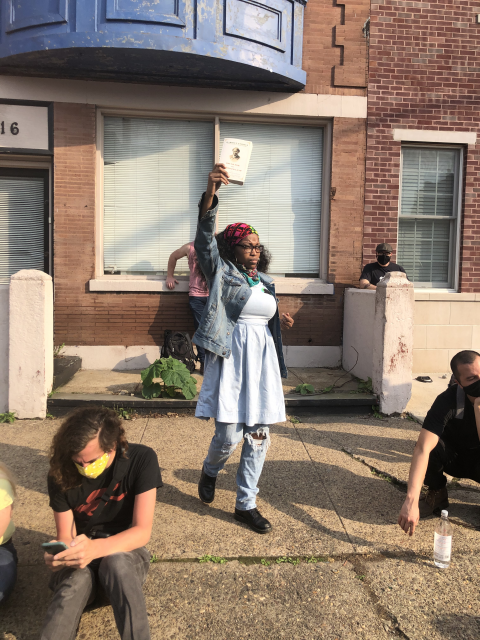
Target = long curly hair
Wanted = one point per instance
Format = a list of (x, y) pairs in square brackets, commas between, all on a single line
[(80, 427), (227, 252)]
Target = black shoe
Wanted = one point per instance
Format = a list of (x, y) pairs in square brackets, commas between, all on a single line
[(254, 520), (206, 488), (432, 502), (202, 369)]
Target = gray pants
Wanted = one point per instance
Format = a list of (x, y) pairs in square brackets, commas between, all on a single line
[(121, 575)]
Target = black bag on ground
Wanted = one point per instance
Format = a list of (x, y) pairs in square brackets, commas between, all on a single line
[(178, 345)]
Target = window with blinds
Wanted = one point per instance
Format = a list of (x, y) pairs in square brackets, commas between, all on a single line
[(154, 174), (22, 223), (428, 215), (155, 171), (282, 195)]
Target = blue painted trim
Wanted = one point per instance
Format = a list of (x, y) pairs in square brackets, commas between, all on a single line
[(231, 28), (99, 40), (177, 19), (36, 20)]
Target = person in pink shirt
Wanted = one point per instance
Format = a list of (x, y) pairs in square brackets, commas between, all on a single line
[(197, 287)]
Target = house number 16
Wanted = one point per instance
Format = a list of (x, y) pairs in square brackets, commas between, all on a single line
[(13, 128)]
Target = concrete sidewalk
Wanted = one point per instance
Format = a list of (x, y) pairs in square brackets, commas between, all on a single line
[(332, 488)]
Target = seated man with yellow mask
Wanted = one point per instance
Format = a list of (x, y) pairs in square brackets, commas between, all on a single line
[(103, 492)]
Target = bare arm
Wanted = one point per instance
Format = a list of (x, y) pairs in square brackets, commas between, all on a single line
[(178, 254), (5, 517), (216, 178), (365, 284), (409, 513), (83, 550)]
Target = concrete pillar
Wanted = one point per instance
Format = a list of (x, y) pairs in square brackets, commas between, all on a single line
[(30, 343), (393, 342)]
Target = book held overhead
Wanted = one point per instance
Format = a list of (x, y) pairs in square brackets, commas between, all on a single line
[(236, 156)]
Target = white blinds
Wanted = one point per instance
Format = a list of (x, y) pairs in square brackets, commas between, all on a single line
[(281, 197), (428, 214), (155, 172), (22, 225)]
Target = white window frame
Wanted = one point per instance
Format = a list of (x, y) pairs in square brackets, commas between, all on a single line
[(454, 249), (154, 283)]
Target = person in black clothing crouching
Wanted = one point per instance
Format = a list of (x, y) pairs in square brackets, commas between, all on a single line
[(374, 272), (449, 442), (102, 491)]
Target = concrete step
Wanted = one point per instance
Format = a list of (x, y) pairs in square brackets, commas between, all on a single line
[(357, 402)]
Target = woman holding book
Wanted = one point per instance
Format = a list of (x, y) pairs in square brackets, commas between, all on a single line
[(240, 331)]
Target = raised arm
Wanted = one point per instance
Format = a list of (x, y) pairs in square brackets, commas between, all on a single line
[(216, 178), (178, 254), (205, 243)]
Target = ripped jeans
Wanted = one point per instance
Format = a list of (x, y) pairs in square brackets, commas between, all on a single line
[(224, 442)]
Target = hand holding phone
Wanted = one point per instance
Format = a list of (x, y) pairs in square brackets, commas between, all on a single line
[(53, 548)]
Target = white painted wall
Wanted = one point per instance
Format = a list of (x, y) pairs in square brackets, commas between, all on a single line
[(118, 358), (4, 291), (359, 313), (30, 343), (445, 323)]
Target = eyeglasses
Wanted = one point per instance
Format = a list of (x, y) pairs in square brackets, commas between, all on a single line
[(257, 248)]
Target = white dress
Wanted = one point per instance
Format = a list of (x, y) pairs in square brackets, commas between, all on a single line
[(246, 387)]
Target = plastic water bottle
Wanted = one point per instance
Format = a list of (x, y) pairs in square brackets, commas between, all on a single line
[(442, 545)]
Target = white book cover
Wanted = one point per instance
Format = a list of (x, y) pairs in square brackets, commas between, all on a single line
[(236, 156)]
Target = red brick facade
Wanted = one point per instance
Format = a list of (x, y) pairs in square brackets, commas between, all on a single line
[(335, 61), (424, 74), (84, 318)]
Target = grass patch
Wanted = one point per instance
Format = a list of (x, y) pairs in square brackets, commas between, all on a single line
[(215, 559), (8, 416)]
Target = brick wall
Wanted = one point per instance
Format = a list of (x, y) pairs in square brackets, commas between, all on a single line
[(84, 318), (424, 74), (335, 47)]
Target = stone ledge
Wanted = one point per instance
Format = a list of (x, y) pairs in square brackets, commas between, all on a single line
[(139, 284)]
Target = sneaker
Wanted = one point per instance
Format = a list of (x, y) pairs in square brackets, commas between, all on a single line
[(432, 502), (253, 519), (206, 488)]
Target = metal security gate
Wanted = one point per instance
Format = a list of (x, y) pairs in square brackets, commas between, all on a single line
[(24, 228)]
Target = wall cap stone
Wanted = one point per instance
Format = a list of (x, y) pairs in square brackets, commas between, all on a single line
[(31, 274)]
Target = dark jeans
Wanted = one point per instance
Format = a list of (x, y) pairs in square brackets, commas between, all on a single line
[(8, 570), (444, 459), (197, 305), (121, 575)]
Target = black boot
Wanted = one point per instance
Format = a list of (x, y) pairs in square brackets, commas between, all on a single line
[(254, 520), (206, 488)]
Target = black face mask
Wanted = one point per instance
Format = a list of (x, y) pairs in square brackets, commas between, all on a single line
[(473, 389), (383, 260)]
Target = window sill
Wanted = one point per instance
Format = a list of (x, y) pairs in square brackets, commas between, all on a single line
[(152, 284)]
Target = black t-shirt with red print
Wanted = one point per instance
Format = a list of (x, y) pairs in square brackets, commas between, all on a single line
[(143, 474)]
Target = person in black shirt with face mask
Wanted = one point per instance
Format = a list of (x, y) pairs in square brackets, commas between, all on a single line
[(375, 271), (449, 442)]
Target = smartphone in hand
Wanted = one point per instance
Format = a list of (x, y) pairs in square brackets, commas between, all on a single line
[(54, 547)]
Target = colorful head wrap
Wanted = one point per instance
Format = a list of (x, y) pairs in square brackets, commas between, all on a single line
[(236, 232)]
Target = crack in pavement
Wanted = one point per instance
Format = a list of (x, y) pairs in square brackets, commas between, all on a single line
[(334, 507)]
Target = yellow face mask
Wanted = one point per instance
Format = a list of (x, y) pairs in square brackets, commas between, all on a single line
[(94, 469)]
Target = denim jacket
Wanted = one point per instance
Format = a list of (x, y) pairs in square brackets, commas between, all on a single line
[(229, 292)]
